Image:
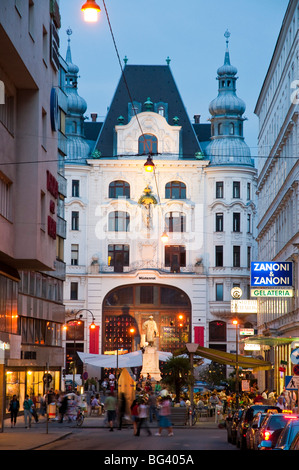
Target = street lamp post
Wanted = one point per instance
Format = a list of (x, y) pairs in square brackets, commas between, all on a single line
[(76, 322), (191, 348)]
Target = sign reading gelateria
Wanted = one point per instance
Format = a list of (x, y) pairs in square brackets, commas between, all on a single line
[(272, 292), (271, 274)]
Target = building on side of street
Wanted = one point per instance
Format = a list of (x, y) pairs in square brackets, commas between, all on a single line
[(32, 189), (278, 196), (201, 194)]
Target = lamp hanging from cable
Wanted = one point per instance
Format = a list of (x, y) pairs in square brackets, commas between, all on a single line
[(90, 10), (149, 164)]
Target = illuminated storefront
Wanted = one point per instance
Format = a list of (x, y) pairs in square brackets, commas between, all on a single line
[(32, 382)]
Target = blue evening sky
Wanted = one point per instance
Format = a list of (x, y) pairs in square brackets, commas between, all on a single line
[(190, 32)]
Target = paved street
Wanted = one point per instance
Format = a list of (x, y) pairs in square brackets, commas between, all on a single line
[(183, 441), (94, 435)]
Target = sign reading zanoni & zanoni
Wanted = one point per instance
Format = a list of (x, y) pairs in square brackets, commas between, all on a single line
[(271, 274)]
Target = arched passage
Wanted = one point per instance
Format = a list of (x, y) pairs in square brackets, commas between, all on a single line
[(131, 305)]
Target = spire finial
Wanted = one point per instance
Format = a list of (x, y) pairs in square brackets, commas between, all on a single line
[(227, 36), (68, 58), (168, 60), (69, 32)]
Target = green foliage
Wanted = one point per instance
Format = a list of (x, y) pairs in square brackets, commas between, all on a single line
[(177, 374)]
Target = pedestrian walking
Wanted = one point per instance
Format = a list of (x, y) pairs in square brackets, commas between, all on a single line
[(134, 415), (14, 407), (63, 407), (142, 418), (110, 406), (27, 405), (165, 416)]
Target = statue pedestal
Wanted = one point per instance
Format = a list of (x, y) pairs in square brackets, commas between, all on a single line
[(150, 363)]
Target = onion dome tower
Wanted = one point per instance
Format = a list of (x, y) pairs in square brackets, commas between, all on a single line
[(227, 144), (78, 149)]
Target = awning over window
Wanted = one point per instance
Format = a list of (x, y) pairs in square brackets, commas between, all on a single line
[(268, 340), (230, 359)]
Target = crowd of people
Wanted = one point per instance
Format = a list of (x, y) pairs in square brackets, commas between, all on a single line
[(152, 402)]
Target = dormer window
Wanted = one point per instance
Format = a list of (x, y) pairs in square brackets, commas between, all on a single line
[(133, 109), (161, 111)]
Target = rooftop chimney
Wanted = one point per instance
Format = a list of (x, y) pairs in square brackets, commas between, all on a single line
[(196, 118), (94, 117)]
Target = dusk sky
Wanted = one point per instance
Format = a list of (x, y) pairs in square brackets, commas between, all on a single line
[(191, 33)]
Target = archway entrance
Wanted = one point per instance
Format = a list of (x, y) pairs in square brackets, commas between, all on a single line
[(131, 305)]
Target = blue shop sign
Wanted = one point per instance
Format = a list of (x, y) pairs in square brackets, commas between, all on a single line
[(272, 273)]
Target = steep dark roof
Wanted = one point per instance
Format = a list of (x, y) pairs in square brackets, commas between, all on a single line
[(143, 81), (203, 131), (91, 130)]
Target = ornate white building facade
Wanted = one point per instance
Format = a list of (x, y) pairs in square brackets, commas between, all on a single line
[(201, 193)]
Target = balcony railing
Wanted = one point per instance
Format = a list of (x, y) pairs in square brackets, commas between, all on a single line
[(143, 265)]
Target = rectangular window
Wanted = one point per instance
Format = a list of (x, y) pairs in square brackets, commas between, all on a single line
[(175, 222), (75, 255), (42, 211), (236, 189), (74, 291), (75, 188), (248, 223), (31, 18), (118, 256), (236, 222), (218, 256), (175, 257), (236, 257), (7, 112), (45, 46), (219, 222), (219, 292), (248, 257), (248, 191), (219, 189), (75, 220), (5, 197), (44, 129), (146, 294)]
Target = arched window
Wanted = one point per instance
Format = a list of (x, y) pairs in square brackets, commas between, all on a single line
[(175, 190), (231, 128), (175, 222), (161, 111), (119, 189), (147, 143), (119, 221), (220, 129)]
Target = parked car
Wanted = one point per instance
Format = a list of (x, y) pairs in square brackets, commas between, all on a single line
[(271, 429), (231, 423), (246, 419), (252, 431), (288, 433), (295, 443)]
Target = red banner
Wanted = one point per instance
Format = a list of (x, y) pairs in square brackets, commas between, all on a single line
[(94, 340), (199, 337)]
